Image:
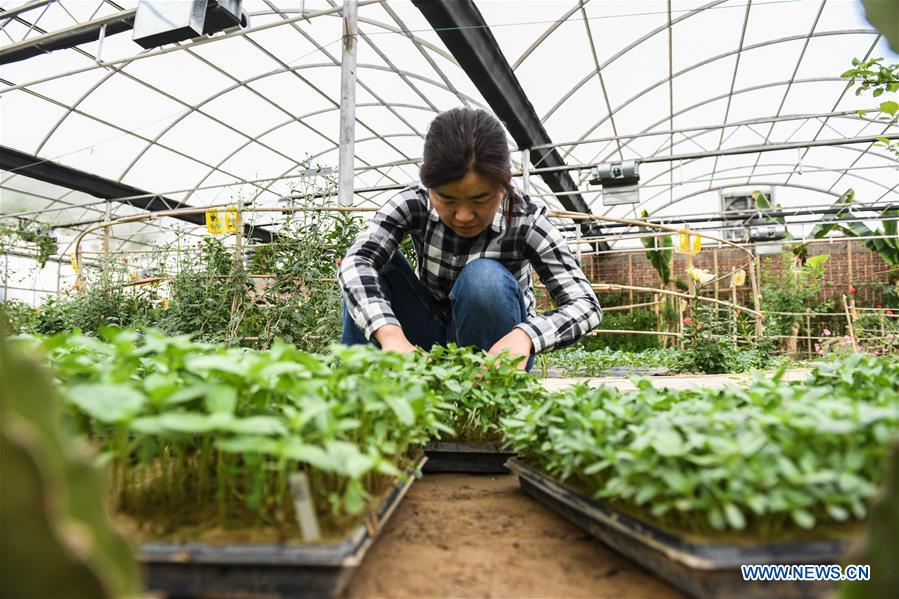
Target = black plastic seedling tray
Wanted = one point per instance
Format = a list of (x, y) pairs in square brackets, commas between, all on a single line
[(481, 458), (263, 570), (707, 569)]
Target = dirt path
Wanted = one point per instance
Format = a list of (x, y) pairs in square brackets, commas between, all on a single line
[(680, 381), (479, 536)]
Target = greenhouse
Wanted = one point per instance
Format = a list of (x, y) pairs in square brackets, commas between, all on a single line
[(456, 298)]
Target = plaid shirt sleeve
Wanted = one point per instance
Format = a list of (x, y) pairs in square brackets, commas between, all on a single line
[(578, 309), (367, 303)]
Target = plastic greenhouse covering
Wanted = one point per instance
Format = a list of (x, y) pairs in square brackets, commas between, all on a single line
[(244, 113)]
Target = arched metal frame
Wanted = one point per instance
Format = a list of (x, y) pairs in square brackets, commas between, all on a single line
[(432, 53)]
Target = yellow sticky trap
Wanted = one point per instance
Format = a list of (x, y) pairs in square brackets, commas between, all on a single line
[(739, 278), (697, 245), (683, 242), (231, 219), (74, 262), (214, 223)]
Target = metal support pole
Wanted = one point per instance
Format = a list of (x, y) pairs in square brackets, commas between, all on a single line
[(238, 270), (5, 277), (756, 295), (525, 172), (577, 234), (106, 236), (347, 105)]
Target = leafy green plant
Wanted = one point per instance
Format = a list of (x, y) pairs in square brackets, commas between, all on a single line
[(638, 320), (660, 252), (22, 317), (203, 437), (871, 74), (286, 289), (579, 361), (880, 78), (477, 390), (709, 348), (793, 291), (772, 458), (51, 511), (100, 301), (877, 332), (200, 436), (32, 232), (884, 242)]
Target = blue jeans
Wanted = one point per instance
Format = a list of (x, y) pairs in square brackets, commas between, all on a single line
[(486, 302)]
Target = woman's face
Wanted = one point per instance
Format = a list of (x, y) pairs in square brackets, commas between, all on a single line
[(467, 206)]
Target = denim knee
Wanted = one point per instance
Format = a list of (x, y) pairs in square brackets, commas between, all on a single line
[(483, 282)]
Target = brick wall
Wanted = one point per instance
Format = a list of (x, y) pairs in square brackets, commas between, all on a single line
[(867, 270)]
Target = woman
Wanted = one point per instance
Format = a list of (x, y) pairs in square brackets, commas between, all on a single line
[(475, 240)]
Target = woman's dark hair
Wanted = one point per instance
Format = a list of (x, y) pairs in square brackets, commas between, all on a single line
[(462, 140)]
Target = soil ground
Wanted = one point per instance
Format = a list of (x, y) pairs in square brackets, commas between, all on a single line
[(457, 535)]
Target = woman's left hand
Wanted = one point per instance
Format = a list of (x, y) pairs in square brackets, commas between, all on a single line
[(518, 343)]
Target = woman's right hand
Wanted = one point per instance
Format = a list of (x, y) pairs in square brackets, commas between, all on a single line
[(392, 338)]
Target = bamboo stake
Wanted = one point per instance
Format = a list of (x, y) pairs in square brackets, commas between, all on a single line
[(616, 287), (630, 279), (849, 259), (658, 312), (631, 332), (808, 330), (106, 239), (733, 296), (849, 323), (629, 306), (756, 298), (715, 268), (238, 267)]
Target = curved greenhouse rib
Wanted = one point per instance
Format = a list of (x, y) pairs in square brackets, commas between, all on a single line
[(811, 169), (420, 45), (268, 74), (122, 130), (859, 151), (417, 41), (719, 57), (405, 76), (358, 80), (263, 189), (733, 81), (693, 194), (602, 82), (176, 48), (624, 51), (840, 98), (647, 130), (783, 100), (331, 149), (736, 184), (548, 32)]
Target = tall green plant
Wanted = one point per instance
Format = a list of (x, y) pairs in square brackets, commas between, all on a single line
[(39, 234), (883, 241), (795, 291), (660, 254), (57, 538), (879, 78)]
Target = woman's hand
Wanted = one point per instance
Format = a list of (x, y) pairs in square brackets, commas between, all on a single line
[(392, 338), (518, 343)]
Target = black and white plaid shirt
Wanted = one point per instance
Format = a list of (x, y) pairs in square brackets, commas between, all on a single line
[(529, 240)]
